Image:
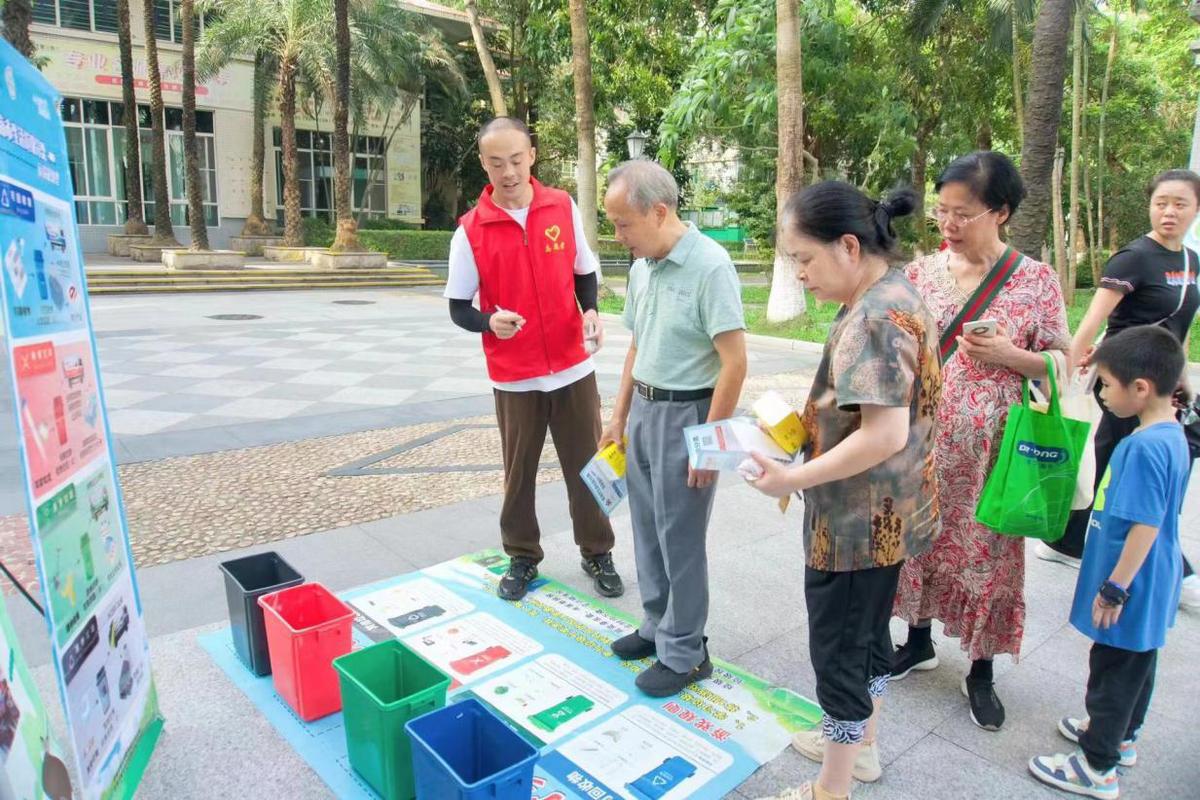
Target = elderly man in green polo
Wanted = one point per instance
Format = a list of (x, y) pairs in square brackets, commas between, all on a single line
[(685, 366)]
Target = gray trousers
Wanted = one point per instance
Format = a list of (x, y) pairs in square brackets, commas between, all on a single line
[(670, 524)]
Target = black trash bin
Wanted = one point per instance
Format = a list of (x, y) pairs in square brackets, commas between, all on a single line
[(247, 579)]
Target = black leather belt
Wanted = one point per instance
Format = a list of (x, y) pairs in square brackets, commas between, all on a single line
[(671, 395)]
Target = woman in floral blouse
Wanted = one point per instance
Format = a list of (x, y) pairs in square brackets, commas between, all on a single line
[(973, 579), (868, 477)]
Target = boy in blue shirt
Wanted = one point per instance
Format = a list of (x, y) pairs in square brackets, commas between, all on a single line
[(1129, 580)]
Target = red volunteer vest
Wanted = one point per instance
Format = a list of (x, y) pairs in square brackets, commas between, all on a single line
[(531, 272)]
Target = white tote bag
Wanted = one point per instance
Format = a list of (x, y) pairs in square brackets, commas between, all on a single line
[(1078, 402)]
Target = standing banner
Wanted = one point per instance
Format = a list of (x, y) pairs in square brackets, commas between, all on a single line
[(76, 514), (29, 766)]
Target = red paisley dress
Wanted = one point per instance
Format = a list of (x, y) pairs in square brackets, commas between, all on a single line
[(973, 580)]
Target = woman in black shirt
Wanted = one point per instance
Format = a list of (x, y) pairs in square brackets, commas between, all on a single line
[(1150, 281)]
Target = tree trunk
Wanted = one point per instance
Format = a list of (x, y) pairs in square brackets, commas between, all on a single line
[(1078, 91), (1108, 68), (1061, 265), (585, 120), (495, 90), (346, 239), (1018, 91), (786, 298), (163, 234), (256, 224), (983, 139), (1092, 245), (135, 218), (17, 16), (191, 147), (293, 234), (1042, 116), (920, 165)]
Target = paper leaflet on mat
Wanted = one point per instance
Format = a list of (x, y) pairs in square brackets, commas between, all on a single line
[(77, 519)]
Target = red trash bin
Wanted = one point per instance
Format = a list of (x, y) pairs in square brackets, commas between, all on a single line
[(307, 628)]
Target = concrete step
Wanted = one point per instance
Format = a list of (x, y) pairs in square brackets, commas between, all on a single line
[(130, 280), (254, 287)]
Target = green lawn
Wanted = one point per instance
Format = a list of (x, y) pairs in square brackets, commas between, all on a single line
[(814, 325)]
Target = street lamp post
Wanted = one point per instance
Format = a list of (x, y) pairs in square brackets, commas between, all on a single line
[(636, 142)]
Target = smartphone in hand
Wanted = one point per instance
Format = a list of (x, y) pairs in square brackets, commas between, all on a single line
[(981, 327)]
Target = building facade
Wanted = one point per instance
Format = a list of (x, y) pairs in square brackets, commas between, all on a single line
[(77, 39)]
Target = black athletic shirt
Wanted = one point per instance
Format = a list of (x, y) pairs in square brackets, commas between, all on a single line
[(1150, 277)]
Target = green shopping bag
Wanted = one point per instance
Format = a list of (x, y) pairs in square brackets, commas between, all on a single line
[(1030, 489)]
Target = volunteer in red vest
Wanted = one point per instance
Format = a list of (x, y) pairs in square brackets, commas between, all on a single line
[(522, 250)]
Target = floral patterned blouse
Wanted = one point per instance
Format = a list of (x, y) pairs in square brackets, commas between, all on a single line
[(882, 351)]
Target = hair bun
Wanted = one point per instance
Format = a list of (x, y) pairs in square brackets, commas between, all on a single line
[(898, 203)]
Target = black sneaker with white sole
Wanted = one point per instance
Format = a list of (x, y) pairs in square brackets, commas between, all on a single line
[(515, 582), (604, 575), (986, 709), (907, 658)]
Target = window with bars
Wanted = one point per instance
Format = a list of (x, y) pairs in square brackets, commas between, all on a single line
[(315, 172), (96, 147), (80, 15), (101, 16)]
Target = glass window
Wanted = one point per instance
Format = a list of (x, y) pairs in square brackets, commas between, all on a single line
[(99, 166), (104, 15), (77, 160), (70, 110), (44, 12), (95, 112), (173, 118), (162, 19), (75, 14), (175, 161), (204, 122), (81, 213), (144, 120)]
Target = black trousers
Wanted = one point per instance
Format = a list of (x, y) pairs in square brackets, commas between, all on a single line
[(1120, 683), (849, 642)]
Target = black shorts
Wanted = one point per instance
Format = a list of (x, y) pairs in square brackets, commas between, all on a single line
[(849, 643)]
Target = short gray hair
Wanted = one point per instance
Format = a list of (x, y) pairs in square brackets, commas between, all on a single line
[(646, 184)]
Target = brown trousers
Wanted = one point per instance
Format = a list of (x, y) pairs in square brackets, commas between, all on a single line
[(572, 415)]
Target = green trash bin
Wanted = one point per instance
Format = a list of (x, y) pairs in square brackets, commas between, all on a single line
[(383, 687)]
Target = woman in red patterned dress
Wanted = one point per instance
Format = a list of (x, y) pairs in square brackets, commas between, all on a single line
[(973, 580)]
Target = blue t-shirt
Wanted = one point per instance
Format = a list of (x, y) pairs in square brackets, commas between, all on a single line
[(1144, 485)]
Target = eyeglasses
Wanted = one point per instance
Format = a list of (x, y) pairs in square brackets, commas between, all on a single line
[(955, 218)]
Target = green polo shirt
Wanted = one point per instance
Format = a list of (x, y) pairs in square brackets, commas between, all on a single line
[(676, 306)]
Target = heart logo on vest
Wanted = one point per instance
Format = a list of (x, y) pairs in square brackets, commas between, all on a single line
[(553, 232)]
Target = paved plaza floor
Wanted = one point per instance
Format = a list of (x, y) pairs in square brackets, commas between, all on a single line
[(232, 442)]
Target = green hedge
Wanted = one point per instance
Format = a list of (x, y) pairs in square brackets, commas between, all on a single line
[(409, 245), (320, 232)]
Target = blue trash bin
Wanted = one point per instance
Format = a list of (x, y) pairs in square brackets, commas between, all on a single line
[(465, 752)]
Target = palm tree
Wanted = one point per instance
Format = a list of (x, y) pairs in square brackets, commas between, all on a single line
[(495, 90), (264, 76), (17, 16), (1043, 113), (347, 227), (786, 299), (585, 120), (163, 233), (135, 220), (292, 34), (191, 150), (1078, 96)]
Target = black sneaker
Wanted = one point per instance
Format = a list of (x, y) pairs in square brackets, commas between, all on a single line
[(632, 647), (986, 709), (906, 659), (659, 680), (604, 575), (515, 582)]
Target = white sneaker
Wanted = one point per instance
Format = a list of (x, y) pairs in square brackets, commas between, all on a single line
[(811, 745), (1047, 553), (1189, 597)]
